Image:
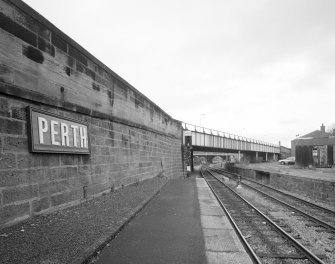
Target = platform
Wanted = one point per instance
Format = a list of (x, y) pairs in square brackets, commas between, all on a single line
[(323, 174), (183, 224)]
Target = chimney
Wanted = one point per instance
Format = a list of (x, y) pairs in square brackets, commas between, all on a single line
[(323, 128)]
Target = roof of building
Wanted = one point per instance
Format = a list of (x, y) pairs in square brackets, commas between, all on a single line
[(321, 141), (317, 137), (316, 134)]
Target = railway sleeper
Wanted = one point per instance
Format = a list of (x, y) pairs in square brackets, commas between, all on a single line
[(281, 256), (313, 225), (322, 230)]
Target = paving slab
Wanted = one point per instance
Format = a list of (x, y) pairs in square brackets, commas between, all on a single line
[(215, 222), (211, 210), (205, 196), (201, 183), (222, 240), (208, 202), (228, 258), (203, 191)]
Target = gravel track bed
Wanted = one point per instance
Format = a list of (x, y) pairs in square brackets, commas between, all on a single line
[(320, 243), (308, 199), (70, 235), (311, 210), (291, 261), (275, 194), (297, 195), (293, 170)]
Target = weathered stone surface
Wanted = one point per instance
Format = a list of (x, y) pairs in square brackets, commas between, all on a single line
[(132, 139)]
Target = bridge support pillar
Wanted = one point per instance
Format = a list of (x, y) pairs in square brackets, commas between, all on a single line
[(266, 156), (239, 156), (256, 156)]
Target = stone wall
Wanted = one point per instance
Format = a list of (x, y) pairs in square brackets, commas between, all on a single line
[(315, 189), (132, 139)]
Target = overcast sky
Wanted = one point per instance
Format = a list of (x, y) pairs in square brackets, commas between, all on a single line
[(261, 69)]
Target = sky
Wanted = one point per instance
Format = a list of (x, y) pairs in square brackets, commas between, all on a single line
[(260, 69)]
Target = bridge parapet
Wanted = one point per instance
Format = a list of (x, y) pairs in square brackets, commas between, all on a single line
[(210, 138)]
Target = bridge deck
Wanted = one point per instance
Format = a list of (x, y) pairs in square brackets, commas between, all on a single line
[(204, 139)]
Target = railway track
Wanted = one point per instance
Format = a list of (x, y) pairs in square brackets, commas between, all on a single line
[(268, 241), (317, 216)]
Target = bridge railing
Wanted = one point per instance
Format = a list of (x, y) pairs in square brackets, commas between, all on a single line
[(207, 137)]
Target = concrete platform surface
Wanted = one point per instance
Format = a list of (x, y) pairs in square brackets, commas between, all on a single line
[(167, 230), (183, 224)]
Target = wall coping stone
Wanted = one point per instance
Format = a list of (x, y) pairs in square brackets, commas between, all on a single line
[(15, 91)]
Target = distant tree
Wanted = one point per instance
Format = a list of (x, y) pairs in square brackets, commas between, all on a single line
[(331, 129)]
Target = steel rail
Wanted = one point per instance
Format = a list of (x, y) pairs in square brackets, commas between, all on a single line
[(314, 219), (245, 243), (308, 254)]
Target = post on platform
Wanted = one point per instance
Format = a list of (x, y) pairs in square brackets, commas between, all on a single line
[(189, 151), (238, 182)]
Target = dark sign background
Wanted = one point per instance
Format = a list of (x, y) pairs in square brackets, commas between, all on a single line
[(47, 146)]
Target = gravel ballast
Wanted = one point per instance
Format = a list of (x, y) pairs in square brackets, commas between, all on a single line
[(74, 234), (319, 241)]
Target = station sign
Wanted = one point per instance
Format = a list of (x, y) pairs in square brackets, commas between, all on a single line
[(51, 133)]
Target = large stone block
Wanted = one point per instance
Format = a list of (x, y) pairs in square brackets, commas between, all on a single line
[(14, 194), (40, 204), (17, 30), (84, 171), (7, 161), (13, 211), (10, 178), (58, 42), (15, 144), (28, 161), (54, 187), (4, 105), (98, 188), (69, 159), (66, 197), (61, 173), (9, 126), (101, 178)]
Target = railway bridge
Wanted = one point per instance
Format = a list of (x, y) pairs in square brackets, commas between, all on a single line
[(199, 141)]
